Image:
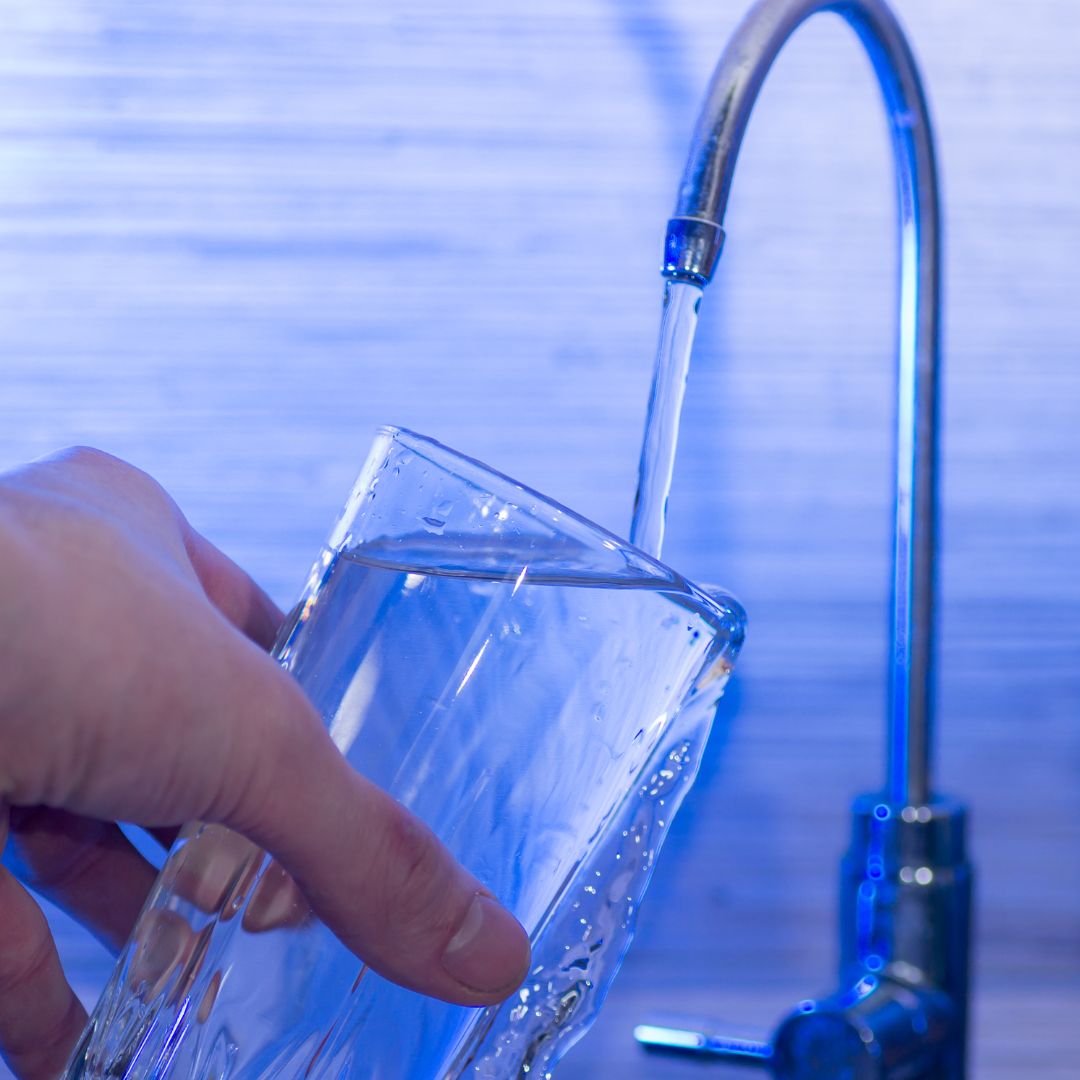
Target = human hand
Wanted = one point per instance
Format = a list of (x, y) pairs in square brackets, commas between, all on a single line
[(134, 686)]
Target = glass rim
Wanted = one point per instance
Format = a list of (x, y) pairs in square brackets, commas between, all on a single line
[(717, 600)]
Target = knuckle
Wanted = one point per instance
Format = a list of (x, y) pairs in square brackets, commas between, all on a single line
[(25, 960), (87, 457), (93, 465), (419, 890), (263, 739), (259, 745), (120, 474), (42, 1050), (56, 869)]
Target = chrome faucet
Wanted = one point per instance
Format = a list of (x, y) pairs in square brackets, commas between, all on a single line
[(905, 893)]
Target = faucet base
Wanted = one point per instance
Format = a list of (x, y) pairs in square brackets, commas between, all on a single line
[(879, 1029), (905, 925)]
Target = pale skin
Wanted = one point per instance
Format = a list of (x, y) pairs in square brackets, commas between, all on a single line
[(135, 686)]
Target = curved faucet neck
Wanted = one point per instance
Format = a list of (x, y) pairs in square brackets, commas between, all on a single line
[(693, 244)]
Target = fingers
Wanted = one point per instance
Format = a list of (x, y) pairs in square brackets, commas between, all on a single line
[(231, 591), (375, 874), (40, 1016), (276, 901), (234, 740), (86, 867), (214, 869), (137, 501), (225, 584)]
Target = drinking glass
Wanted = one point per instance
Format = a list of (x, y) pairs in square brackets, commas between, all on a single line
[(535, 690)]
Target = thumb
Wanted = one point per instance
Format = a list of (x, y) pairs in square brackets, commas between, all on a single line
[(374, 873), (238, 743)]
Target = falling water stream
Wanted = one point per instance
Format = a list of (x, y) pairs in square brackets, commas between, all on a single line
[(677, 328)]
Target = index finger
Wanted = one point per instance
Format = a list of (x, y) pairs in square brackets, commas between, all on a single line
[(374, 873), (231, 590)]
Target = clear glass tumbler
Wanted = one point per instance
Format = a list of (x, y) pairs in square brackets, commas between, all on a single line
[(529, 685)]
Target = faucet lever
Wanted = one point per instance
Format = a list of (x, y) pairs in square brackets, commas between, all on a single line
[(881, 1028), (685, 1036), (864, 1032)]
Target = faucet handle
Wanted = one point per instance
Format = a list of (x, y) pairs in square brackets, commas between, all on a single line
[(882, 1028), (683, 1035)]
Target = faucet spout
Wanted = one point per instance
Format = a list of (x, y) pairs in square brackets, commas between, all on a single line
[(905, 892), (693, 244)]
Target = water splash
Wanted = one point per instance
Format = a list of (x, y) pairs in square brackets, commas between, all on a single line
[(677, 329)]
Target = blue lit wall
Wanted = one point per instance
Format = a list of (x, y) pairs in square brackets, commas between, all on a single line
[(234, 237)]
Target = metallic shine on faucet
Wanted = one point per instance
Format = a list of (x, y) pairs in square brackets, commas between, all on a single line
[(905, 895)]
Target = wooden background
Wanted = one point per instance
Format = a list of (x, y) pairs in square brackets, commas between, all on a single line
[(234, 237)]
